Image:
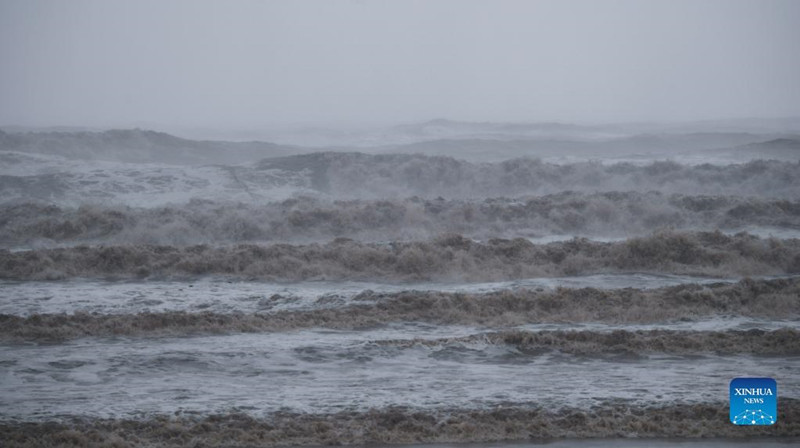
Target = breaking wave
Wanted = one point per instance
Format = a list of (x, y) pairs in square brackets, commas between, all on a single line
[(362, 176), (398, 425), (351, 175), (502, 309), (448, 257), (766, 343), (310, 219)]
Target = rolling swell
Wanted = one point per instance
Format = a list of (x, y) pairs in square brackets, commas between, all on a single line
[(403, 426), (502, 309), (448, 257), (307, 218)]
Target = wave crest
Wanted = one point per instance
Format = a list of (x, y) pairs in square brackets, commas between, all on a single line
[(309, 219), (449, 257), (501, 309)]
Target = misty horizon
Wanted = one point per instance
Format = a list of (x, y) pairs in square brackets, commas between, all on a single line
[(253, 64)]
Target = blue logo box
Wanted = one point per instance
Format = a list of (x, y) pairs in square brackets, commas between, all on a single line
[(754, 401)]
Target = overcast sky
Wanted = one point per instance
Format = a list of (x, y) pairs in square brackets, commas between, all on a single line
[(252, 63)]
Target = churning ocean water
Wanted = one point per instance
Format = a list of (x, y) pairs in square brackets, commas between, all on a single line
[(439, 302)]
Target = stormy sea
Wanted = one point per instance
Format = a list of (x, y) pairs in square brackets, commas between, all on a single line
[(435, 283)]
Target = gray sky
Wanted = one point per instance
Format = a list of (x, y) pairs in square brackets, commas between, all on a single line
[(252, 63)]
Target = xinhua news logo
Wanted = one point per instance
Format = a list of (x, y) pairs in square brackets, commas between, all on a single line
[(754, 401)]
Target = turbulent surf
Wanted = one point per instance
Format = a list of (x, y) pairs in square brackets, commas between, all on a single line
[(252, 294)]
